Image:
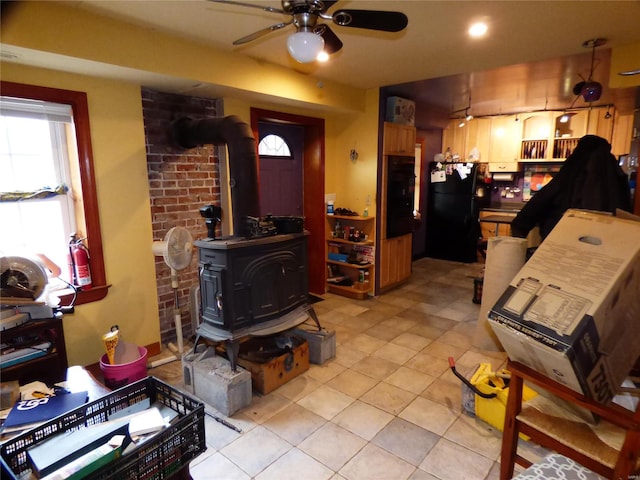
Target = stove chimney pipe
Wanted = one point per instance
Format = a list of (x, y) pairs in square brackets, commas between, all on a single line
[(243, 160)]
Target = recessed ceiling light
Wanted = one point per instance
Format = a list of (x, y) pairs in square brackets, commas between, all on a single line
[(478, 29)]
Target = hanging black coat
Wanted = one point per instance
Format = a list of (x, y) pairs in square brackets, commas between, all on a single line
[(589, 179)]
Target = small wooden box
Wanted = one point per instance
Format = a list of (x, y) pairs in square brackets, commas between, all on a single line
[(276, 371)]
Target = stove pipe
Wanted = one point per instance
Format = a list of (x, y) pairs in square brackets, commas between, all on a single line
[(243, 160)]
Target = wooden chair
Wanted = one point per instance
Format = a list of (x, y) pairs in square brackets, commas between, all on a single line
[(572, 439)]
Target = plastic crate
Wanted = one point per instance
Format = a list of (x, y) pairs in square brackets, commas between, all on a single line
[(158, 458)]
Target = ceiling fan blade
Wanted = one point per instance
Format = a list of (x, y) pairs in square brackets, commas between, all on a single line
[(371, 19), (250, 5), (260, 33), (331, 41), (327, 4)]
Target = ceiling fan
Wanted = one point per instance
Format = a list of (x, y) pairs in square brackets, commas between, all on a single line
[(311, 37)]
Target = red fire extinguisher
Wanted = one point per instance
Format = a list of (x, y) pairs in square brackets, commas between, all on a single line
[(80, 269)]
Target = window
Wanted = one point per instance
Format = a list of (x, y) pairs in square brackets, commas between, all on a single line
[(45, 155), (274, 146)]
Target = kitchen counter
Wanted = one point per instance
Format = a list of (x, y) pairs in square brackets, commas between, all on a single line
[(505, 207)]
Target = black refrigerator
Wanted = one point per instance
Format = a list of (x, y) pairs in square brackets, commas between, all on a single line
[(457, 192)]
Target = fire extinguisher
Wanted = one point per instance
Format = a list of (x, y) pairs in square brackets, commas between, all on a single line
[(80, 269)]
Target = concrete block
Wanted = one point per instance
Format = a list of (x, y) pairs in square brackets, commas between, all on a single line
[(210, 378), (322, 344)]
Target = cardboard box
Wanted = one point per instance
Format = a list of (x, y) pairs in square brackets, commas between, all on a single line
[(401, 110), (271, 373), (573, 311)]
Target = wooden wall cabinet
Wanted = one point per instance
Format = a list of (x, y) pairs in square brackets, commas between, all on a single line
[(399, 139), (535, 136), (340, 241), (395, 258)]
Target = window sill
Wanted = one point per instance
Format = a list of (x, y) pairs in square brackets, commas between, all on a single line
[(94, 294)]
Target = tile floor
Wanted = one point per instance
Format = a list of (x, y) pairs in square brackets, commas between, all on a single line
[(386, 407)]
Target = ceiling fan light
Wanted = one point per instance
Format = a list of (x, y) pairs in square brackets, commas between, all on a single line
[(323, 56), (304, 47)]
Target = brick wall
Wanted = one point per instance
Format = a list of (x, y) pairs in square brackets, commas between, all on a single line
[(180, 182)]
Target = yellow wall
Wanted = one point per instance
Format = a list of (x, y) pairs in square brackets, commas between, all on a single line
[(84, 46), (119, 156)]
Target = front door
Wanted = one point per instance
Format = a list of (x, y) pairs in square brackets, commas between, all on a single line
[(281, 171), (312, 185)]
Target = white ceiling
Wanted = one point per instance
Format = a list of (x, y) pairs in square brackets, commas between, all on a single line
[(434, 44)]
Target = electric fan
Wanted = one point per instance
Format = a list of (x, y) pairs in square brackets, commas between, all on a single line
[(176, 249)]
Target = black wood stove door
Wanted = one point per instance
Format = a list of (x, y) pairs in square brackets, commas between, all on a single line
[(243, 287)]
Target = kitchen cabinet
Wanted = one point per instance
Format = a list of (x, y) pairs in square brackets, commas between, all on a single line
[(350, 255), (504, 143), (503, 167), (399, 139), (534, 136), (395, 261)]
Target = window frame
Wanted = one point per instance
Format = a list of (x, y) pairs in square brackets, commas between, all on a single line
[(79, 105)]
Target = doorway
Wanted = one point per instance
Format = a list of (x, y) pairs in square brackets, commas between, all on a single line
[(280, 154), (311, 183)]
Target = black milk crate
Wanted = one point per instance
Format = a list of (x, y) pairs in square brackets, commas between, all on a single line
[(157, 458)]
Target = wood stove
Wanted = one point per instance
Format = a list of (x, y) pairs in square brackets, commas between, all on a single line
[(256, 282)]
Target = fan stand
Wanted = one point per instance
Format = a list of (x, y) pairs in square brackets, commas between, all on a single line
[(177, 318), (159, 248)]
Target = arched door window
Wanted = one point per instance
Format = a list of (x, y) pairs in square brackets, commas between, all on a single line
[(274, 146)]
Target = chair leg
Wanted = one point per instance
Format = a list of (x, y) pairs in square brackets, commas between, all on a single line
[(510, 433)]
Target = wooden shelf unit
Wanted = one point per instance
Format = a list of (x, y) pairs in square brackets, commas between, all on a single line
[(49, 368), (355, 271)]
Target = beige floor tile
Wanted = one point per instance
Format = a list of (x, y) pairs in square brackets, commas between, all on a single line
[(264, 407), (325, 372), (472, 359), (298, 387), (388, 397), (399, 323), (422, 475), (347, 356), (293, 465), (294, 423), (430, 415), (456, 339), (352, 383), (264, 446), (447, 393), (218, 436), (394, 353), (440, 349), (449, 461), (406, 440), (427, 331), (375, 463), (411, 341), (376, 368), (475, 435), (363, 419), (332, 445), (217, 466), (326, 402), (426, 363), (366, 343), (409, 379), (383, 333)]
